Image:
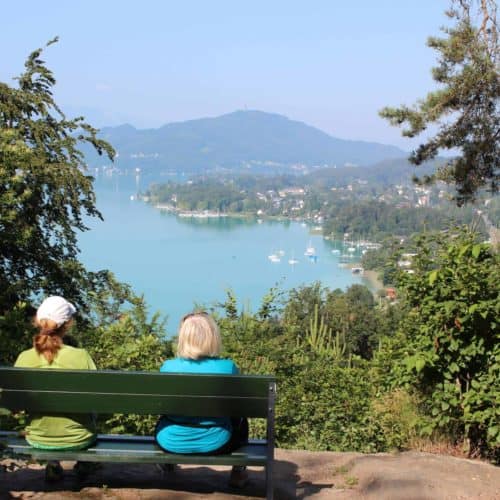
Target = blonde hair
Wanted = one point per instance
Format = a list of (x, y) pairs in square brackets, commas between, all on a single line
[(199, 337), (48, 340)]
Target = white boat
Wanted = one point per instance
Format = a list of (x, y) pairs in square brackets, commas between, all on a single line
[(280, 253), (336, 251), (274, 258), (310, 251), (292, 261), (351, 249)]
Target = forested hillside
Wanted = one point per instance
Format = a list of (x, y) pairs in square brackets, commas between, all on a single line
[(239, 140)]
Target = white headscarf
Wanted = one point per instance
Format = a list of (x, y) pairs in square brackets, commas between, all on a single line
[(57, 309)]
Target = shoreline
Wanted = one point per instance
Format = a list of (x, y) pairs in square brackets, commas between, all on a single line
[(369, 276), (206, 214)]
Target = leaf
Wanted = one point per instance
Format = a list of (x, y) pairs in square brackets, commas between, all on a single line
[(493, 431), (472, 308), (419, 364), (476, 250), (432, 277)]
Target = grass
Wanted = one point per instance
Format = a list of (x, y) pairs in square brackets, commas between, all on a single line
[(347, 481), (341, 469), (351, 481)]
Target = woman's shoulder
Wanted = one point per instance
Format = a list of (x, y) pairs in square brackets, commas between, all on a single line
[(74, 351), (205, 365), (76, 356), (26, 358), (226, 365)]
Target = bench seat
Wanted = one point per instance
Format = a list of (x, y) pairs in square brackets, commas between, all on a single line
[(136, 449)]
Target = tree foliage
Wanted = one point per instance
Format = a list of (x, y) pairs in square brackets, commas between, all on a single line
[(136, 342), (450, 340), (45, 194), (465, 107), (325, 394), (348, 321)]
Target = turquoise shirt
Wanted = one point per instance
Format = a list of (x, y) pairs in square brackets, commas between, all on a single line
[(188, 438)]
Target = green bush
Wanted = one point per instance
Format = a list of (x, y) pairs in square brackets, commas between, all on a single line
[(323, 406), (400, 417), (133, 342), (16, 332), (323, 402), (450, 338)]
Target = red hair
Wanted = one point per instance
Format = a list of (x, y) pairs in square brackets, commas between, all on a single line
[(48, 340)]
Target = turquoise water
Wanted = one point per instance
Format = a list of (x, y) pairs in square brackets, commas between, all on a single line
[(179, 262)]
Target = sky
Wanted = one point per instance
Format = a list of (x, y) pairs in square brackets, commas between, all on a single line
[(332, 64)]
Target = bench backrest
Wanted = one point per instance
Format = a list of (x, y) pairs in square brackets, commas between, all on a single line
[(81, 391)]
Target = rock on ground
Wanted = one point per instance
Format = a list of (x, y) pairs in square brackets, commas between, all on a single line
[(299, 474)]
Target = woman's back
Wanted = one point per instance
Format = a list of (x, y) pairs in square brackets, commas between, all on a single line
[(181, 434), (198, 351), (54, 317), (67, 358)]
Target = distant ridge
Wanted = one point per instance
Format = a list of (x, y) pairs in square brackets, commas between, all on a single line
[(236, 140)]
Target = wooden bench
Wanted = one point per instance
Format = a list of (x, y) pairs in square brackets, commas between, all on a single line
[(107, 392)]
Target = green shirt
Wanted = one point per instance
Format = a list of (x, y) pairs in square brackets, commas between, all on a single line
[(57, 431)]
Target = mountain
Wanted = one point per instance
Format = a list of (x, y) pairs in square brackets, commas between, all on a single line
[(234, 140)]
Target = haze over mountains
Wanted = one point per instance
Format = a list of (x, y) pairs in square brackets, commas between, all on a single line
[(236, 140)]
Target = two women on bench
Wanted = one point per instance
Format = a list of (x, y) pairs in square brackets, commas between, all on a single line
[(199, 346)]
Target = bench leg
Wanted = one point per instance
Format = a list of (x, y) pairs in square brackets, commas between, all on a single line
[(269, 481)]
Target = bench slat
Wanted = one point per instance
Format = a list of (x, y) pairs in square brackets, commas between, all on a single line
[(137, 449), (52, 402), (81, 391), (135, 382)]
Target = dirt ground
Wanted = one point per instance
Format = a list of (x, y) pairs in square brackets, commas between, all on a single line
[(299, 474)]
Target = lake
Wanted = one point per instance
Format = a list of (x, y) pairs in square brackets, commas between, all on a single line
[(179, 262)]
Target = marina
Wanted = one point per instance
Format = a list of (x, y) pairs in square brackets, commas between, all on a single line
[(177, 262)]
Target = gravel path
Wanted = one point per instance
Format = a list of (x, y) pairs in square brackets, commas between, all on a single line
[(299, 474)]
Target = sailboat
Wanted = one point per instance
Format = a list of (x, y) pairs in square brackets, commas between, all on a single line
[(274, 257), (310, 250), (292, 261)]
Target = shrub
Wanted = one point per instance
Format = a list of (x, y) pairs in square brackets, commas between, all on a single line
[(451, 347)]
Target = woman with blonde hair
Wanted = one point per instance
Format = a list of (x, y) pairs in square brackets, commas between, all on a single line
[(198, 351), (53, 319)]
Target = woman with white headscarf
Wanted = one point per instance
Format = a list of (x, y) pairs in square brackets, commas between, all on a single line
[(53, 319)]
